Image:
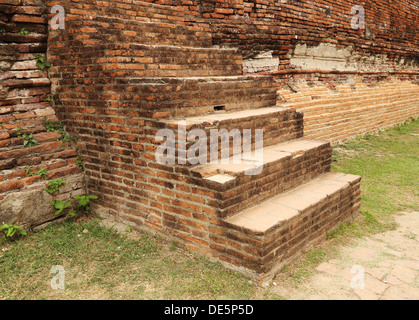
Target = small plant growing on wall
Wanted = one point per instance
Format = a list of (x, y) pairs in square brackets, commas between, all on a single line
[(80, 161), (60, 205), (28, 171), (84, 202), (23, 32), (51, 125), (40, 172), (83, 205), (41, 62), (57, 126), (29, 141), (54, 185)]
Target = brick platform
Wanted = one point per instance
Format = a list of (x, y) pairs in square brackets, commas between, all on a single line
[(118, 83)]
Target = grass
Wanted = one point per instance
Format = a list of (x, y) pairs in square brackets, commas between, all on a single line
[(304, 267), (388, 164), (101, 263)]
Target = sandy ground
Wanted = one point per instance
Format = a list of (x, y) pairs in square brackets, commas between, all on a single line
[(382, 267)]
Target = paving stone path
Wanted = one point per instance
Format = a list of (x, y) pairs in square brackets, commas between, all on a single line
[(382, 267)]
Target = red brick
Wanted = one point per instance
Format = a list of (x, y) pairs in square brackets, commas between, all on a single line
[(10, 185)]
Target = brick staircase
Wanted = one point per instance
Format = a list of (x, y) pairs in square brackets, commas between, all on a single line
[(160, 72)]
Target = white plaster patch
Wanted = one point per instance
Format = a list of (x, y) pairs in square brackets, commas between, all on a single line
[(262, 62)]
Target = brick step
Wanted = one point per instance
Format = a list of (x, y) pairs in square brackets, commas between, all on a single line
[(192, 96), (43, 151), (281, 167), (279, 124), (171, 61), (110, 29), (264, 237)]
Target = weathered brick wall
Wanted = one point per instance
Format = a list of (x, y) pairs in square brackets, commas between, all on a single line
[(271, 24), (255, 26), (267, 34), (24, 88), (270, 35)]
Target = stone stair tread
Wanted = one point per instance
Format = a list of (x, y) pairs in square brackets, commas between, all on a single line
[(272, 153), (222, 78), (272, 212), (180, 47), (223, 116), (164, 80)]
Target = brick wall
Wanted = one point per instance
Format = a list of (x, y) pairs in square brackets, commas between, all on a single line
[(386, 52), (24, 88), (339, 106), (277, 24), (254, 26)]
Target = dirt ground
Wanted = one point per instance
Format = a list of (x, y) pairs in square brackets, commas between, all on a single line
[(381, 267)]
